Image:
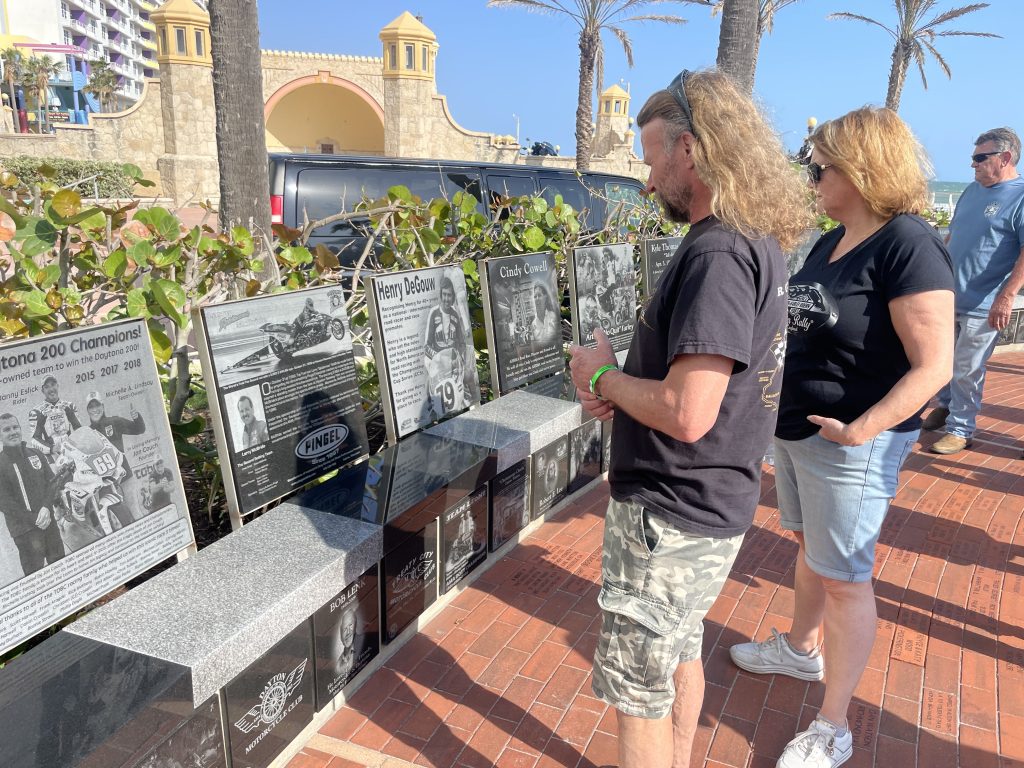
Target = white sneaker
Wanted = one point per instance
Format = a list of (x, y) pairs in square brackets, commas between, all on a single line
[(776, 656), (817, 747)]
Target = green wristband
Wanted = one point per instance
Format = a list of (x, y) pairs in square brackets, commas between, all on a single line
[(597, 375)]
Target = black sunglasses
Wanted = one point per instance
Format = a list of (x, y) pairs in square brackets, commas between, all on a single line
[(981, 157), (814, 171), (678, 90)]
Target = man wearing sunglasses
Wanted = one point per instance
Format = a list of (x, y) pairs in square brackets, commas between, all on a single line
[(986, 241), (694, 405)]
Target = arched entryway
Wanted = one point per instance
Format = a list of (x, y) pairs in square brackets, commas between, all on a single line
[(322, 113)]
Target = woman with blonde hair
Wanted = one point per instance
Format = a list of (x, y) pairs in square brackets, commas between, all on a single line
[(852, 394)]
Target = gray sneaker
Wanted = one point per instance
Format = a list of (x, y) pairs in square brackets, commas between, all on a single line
[(817, 747), (776, 656)]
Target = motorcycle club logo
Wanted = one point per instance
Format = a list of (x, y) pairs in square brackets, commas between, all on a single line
[(991, 209), (337, 300), (321, 441), (412, 576), (35, 462), (273, 699)]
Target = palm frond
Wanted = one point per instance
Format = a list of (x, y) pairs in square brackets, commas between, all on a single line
[(918, 53), (955, 33), (627, 44), (537, 6), (857, 17), (654, 17), (955, 13), (938, 57)]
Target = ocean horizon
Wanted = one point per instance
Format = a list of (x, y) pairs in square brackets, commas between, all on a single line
[(946, 193)]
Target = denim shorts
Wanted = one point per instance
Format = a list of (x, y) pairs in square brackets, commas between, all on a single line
[(838, 496), (658, 583)]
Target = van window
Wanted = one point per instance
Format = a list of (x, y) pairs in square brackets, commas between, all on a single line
[(511, 186), (625, 200), (572, 191), (324, 192)]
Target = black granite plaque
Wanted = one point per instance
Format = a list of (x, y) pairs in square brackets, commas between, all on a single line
[(655, 256), (464, 538), (198, 743), (549, 476), (510, 503), (1018, 337), (602, 292), (77, 702), (270, 703), (585, 447), (523, 321), (606, 448), (1009, 333), (410, 580), (347, 636), (559, 386)]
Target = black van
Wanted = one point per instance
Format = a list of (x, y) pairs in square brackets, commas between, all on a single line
[(324, 185)]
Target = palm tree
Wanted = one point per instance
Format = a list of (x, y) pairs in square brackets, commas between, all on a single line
[(593, 16), (102, 83), (914, 37), (37, 72), (765, 23), (737, 41), (12, 62)]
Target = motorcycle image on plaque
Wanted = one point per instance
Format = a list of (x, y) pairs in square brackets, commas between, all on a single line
[(424, 350), (655, 256), (602, 292), (522, 318), (287, 407), (90, 492)]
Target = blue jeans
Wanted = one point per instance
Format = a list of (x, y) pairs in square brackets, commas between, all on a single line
[(974, 341)]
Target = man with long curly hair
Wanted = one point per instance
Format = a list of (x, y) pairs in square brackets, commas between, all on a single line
[(694, 405)]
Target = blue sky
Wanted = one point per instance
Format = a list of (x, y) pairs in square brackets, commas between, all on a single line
[(497, 62)]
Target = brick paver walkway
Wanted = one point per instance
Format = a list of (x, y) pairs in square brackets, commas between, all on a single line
[(501, 677)]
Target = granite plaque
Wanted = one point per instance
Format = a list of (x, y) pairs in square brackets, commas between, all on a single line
[(347, 636), (424, 348), (522, 318), (655, 256), (549, 476), (287, 407), (1009, 333), (270, 703), (464, 538), (510, 503), (1018, 337), (585, 447), (559, 386), (90, 492), (410, 580), (197, 743), (602, 292), (606, 447)]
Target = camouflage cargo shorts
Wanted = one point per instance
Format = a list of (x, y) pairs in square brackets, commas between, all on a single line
[(658, 583)]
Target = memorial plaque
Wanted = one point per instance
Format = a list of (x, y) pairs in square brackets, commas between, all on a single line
[(549, 476), (1009, 333), (463, 538), (270, 703), (524, 325), (347, 636), (655, 256), (606, 445), (585, 448), (424, 346), (1018, 337), (90, 492), (602, 291), (198, 743), (410, 580), (558, 386), (510, 503), (287, 407)]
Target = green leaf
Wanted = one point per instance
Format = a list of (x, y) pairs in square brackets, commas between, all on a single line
[(190, 428), (141, 252), (165, 304), (66, 203), (400, 192), (534, 238), (172, 291), (132, 171), (440, 208), (37, 236), (161, 221), (49, 275), (137, 304), (431, 240), (35, 304), (115, 264), (243, 240), (162, 347), (47, 171), (469, 268), (166, 257)]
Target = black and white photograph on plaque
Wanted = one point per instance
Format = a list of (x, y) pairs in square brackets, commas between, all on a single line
[(285, 397), (510, 503), (585, 446), (269, 703), (1018, 337), (524, 323), (655, 256), (90, 492), (464, 537), (1009, 333), (197, 743), (347, 636), (602, 290), (606, 445), (549, 475), (425, 346)]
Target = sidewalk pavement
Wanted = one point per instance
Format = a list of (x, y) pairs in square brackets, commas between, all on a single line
[(501, 676)]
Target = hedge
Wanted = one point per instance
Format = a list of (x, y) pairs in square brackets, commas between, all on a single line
[(110, 181)]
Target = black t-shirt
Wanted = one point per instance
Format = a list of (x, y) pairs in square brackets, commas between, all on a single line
[(722, 294), (844, 370)]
